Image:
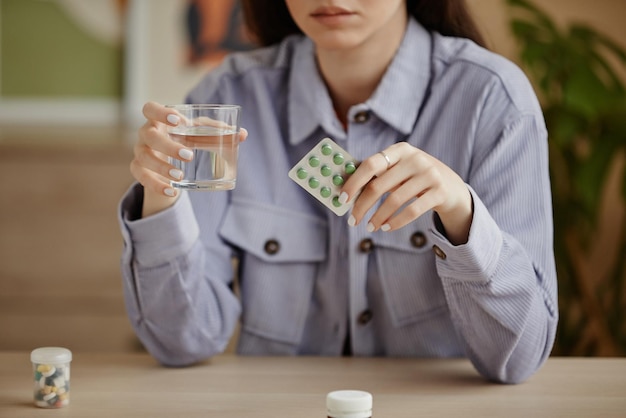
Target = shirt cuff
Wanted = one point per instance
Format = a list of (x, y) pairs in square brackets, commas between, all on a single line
[(163, 236), (476, 260)]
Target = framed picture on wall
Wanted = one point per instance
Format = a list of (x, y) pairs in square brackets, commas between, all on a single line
[(61, 61)]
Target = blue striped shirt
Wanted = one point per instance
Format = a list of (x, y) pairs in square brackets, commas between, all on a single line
[(305, 278)]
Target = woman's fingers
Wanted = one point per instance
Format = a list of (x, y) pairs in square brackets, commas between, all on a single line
[(155, 137), (368, 169), (409, 201), (376, 176), (159, 113), (151, 164), (150, 180), (406, 181)]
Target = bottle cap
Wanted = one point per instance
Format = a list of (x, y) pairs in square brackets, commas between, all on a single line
[(349, 404), (51, 355)]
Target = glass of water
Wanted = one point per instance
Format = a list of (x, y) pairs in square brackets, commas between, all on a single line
[(211, 131)]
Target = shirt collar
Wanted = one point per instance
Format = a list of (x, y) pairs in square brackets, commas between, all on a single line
[(396, 100)]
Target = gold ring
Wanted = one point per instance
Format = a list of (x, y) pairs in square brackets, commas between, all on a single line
[(386, 159)]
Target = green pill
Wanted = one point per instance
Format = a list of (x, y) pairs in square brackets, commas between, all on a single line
[(350, 168), (326, 171), (337, 180), (302, 173), (314, 161), (338, 159), (314, 183), (325, 191), (336, 202), (327, 149)]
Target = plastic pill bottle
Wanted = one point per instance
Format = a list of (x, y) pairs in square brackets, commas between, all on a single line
[(51, 371), (349, 404)]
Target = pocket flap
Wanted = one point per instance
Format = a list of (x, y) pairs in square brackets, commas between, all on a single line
[(275, 234), (412, 238)]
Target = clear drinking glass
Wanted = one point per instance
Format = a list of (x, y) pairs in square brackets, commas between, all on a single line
[(211, 131)]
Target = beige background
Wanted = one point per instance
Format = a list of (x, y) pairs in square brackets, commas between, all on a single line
[(59, 187)]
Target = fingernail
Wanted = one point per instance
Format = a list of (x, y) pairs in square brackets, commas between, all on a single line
[(170, 192), (370, 227), (173, 119), (351, 221), (176, 173), (185, 153), (385, 227), (343, 198)]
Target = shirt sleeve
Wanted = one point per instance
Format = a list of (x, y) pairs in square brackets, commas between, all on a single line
[(166, 268), (501, 285)]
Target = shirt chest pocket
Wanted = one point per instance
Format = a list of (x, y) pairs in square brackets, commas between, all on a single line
[(408, 274), (280, 255)]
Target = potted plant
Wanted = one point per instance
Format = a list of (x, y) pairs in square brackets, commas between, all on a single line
[(576, 73)]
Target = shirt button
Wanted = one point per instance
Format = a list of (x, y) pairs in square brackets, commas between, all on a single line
[(365, 317), (439, 252), (366, 246), (418, 240), (272, 246), (362, 117)]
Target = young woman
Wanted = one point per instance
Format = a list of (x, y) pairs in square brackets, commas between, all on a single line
[(447, 251)]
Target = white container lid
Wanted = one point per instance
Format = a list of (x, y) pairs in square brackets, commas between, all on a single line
[(51, 355), (349, 404)]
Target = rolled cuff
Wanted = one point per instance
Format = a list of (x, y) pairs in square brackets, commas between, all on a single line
[(476, 260), (163, 236)]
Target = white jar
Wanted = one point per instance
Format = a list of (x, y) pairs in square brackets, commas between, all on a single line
[(349, 404), (51, 372)]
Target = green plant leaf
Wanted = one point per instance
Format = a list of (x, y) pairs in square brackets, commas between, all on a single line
[(624, 184), (607, 74), (591, 177), (579, 74), (585, 92), (535, 12), (525, 30), (597, 38), (564, 125)]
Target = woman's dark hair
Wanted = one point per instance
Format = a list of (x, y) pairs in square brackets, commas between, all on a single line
[(269, 21)]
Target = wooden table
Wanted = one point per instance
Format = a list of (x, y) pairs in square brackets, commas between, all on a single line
[(134, 385)]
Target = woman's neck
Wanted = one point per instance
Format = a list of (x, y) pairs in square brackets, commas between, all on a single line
[(352, 75)]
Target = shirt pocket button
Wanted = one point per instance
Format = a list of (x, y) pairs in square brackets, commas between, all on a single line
[(418, 240), (272, 247)]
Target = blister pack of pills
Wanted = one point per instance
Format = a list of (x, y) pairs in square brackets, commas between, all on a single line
[(323, 171)]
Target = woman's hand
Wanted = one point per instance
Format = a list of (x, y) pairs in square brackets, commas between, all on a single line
[(415, 182), (150, 165)]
